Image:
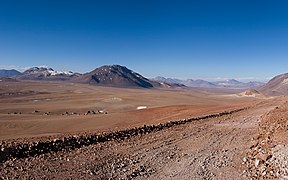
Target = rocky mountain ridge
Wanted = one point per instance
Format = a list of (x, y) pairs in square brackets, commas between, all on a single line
[(229, 83), (44, 73)]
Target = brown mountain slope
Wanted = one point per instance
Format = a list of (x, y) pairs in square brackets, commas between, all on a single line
[(116, 76), (277, 86)]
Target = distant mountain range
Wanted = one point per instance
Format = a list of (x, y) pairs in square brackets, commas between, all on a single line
[(8, 73), (114, 75), (121, 76), (230, 83)]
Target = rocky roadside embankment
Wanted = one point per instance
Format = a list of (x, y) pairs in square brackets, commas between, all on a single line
[(267, 158)]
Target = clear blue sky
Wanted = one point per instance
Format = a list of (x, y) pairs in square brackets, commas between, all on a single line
[(183, 39)]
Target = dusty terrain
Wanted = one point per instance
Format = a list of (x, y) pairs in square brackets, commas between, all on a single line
[(41, 108), (267, 157), (211, 136)]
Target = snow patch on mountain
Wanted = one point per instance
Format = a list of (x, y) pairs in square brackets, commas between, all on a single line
[(47, 71)]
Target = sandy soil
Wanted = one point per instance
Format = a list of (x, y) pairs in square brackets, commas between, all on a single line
[(219, 146), (37, 109)]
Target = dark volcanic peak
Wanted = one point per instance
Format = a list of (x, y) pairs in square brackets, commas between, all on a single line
[(276, 86), (8, 73), (115, 75)]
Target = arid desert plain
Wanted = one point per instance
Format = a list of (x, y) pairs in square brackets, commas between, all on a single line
[(64, 130)]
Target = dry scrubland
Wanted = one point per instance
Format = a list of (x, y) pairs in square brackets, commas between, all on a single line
[(91, 132)]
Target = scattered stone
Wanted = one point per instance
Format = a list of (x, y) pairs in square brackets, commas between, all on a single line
[(88, 112), (244, 159), (47, 113)]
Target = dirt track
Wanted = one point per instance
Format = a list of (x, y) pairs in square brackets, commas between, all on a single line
[(208, 149)]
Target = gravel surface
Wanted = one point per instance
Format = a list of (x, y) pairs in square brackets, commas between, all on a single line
[(267, 157), (210, 147)]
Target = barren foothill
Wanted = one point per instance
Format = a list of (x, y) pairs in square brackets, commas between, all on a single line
[(209, 148)]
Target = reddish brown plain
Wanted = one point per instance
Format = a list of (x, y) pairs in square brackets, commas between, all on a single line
[(218, 147), (37, 109)]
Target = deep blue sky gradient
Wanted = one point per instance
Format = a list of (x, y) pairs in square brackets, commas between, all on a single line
[(184, 39)]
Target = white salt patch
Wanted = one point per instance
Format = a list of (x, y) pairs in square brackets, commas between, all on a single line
[(141, 107)]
